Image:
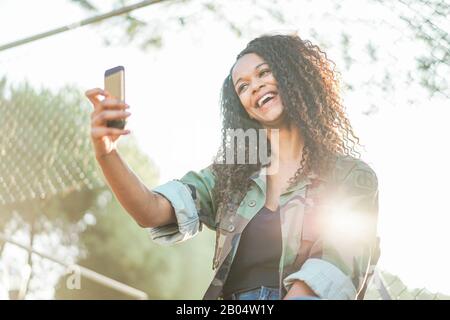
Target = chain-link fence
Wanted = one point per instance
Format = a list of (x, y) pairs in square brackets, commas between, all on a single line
[(47, 168)]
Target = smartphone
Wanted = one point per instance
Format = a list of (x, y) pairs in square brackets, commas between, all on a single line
[(115, 85)]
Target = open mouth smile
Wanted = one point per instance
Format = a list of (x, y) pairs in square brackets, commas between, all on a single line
[(266, 100)]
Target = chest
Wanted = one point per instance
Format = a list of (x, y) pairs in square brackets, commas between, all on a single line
[(277, 183)]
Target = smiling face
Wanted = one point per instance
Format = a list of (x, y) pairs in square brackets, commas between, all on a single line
[(257, 89)]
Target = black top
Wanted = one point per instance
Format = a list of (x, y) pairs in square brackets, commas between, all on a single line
[(258, 254)]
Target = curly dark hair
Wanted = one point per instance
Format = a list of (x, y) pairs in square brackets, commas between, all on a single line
[(309, 90)]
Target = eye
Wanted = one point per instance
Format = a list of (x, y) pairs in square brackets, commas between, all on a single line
[(263, 72), (241, 87)]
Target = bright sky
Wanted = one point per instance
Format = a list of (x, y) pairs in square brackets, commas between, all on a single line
[(174, 95)]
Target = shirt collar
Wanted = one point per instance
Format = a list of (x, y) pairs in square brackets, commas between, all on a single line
[(260, 179)]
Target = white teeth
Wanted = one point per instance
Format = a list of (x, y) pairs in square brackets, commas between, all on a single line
[(270, 94)]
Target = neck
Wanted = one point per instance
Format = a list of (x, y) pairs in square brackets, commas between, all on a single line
[(290, 144)]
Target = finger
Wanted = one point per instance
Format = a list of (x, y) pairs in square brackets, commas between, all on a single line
[(92, 95), (113, 104), (94, 91), (101, 118), (107, 106), (99, 132), (107, 94)]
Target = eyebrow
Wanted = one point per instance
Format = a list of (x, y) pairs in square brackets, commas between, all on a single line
[(259, 65)]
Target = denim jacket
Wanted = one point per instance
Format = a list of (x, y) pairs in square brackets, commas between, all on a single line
[(328, 224)]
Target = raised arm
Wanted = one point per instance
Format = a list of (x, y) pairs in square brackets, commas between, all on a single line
[(148, 208)]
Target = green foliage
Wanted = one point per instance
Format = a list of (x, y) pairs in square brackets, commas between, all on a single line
[(85, 4), (117, 247), (47, 166), (424, 21), (51, 180)]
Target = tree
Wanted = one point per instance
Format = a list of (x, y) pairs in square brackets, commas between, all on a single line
[(47, 178), (52, 188), (426, 21), (411, 21), (116, 247)]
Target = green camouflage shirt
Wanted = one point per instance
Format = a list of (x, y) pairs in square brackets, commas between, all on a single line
[(328, 227)]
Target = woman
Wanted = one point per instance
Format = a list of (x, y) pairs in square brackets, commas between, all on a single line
[(300, 226)]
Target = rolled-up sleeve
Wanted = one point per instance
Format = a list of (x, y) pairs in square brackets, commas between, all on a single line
[(325, 279), (187, 225), (347, 248), (191, 199)]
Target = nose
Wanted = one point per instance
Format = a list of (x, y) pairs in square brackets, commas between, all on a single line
[(257, 84)]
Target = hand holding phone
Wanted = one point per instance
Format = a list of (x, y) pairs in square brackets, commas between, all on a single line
[(115, 85), (111, 110)]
